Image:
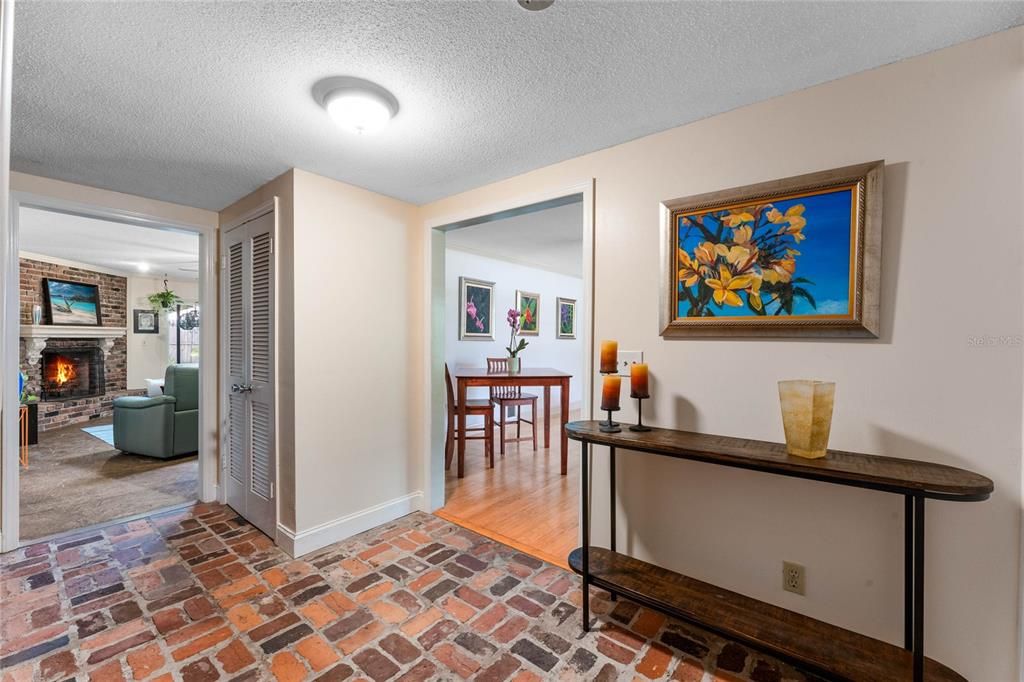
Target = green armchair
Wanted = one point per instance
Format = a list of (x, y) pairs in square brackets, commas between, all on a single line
[(164, 426)]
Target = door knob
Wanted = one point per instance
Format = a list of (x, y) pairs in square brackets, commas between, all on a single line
[(241, 388)]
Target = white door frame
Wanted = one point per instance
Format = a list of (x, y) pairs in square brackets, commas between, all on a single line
[(208, 346), (269, 206), (432, 437)]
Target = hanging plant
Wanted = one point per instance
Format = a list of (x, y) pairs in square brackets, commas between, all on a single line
[(164, 300)]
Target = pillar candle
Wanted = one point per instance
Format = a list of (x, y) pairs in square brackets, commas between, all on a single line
[(610, 392), (609, 357), (638, 380)]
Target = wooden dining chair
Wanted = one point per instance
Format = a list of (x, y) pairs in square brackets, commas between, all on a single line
[(512, 396), (479, 408)]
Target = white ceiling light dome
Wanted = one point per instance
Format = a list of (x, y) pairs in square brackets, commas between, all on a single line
[(357, 105)]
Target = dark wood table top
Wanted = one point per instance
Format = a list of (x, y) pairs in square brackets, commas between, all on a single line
[(525, 373), (892, 474)]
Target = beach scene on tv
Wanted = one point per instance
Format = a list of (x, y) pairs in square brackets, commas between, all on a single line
[(72, 303), (788, 257)]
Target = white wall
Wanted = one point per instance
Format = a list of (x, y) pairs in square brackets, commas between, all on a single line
[(950, 126), (148, 354), (545, 350)]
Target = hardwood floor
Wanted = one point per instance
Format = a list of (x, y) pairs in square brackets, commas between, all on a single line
[(523, 501)]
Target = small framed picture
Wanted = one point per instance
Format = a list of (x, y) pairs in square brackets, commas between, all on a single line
[(528, 305), (476, 309), (146, 321), (566, 316)]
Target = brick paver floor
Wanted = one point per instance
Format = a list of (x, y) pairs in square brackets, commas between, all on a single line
[(201, 595)]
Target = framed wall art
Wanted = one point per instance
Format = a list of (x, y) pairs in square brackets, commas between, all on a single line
[(565, 316), (71, 303), (793, 257), (476, 309), (528, 305)]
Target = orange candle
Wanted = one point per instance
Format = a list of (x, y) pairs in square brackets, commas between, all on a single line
[(638, 375), (610, 390), (609, 357)]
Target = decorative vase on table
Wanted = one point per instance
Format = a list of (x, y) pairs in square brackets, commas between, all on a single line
[(807, 416), (513, 348), (37, 314)]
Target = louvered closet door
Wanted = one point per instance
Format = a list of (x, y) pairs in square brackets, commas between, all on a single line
[(250, 420)]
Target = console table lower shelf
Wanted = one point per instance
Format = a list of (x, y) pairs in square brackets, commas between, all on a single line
[(811, 645)]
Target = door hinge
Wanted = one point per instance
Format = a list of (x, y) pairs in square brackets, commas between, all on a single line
[(271, 491), (223, 262), (271, 245)]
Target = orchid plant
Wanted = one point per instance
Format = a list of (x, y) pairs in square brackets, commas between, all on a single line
[(514, 348)]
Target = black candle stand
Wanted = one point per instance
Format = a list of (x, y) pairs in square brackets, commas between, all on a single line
[(610, 426), (639, 426)]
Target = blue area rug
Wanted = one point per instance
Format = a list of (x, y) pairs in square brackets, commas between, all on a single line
[(105, 433)]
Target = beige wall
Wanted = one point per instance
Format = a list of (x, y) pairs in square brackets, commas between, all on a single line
[(148, 353), (343, 352), (351, 350), (949, 126)]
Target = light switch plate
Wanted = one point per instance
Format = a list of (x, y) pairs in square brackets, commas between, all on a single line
[(627, 358)]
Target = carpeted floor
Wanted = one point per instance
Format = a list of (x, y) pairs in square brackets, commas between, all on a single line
[(75, 479), (199, 595)]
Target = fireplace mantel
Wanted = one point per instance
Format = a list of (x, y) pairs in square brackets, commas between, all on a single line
[(35, 336)]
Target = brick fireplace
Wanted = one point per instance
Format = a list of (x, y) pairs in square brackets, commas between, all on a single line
[(98, 356)]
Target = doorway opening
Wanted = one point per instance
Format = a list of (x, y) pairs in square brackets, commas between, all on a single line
[(109, 424), (517, 290), (112, 415)]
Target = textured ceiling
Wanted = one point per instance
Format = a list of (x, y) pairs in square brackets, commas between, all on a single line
[(551, 239), (202, 102), (109, 245)]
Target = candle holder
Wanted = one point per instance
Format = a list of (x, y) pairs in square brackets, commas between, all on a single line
[(610, 426), (610, 422), (639, 426)]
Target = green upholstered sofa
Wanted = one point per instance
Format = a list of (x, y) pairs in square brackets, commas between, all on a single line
[(164, 426)]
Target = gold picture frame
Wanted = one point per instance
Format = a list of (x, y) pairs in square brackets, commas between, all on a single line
[(735, 264)]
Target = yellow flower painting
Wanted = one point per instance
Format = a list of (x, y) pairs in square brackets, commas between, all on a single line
[(787, 257)]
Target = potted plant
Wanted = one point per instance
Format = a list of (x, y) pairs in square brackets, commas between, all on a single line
[(164, 300), (513, 348)]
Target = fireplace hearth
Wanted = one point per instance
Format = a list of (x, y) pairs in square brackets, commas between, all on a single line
[(70, 373)]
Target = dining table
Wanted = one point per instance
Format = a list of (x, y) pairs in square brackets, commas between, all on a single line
[(546, 377)]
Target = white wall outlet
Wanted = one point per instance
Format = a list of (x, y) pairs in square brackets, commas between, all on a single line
[(627, 358), (793, 577)]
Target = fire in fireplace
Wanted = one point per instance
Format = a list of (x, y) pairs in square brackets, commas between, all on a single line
[(72, 373)]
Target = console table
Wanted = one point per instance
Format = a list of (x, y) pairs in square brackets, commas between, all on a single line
[(809, 644)]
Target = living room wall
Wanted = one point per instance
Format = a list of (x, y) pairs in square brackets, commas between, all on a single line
[(933, 388)]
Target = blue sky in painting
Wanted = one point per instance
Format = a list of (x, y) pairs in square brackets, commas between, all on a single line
[(824, 255)]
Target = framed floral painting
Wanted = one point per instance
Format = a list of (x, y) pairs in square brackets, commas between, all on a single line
[(476, 309), (792, 257), (566, 318), (528, 306)]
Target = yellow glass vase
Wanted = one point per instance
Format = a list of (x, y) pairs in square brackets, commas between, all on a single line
[(807, 415)]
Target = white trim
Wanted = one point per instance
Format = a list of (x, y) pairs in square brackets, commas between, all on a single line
[(432, 436), (9, 297), (303, 542), (208, 447)]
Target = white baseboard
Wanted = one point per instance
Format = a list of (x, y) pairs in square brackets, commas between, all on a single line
[(324, 534)]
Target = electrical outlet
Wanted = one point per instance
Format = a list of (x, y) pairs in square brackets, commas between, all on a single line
[(627, 358), (793, 577)]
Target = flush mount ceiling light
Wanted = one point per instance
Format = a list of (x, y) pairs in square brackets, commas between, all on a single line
[(357, 105), (143, 267), (536, 5)]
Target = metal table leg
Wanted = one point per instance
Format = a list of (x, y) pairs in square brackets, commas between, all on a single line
[(908, 572), (918, 644), (585, 521), (611, 503)]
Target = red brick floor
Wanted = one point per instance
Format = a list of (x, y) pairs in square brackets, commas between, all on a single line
[(200, 595)]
